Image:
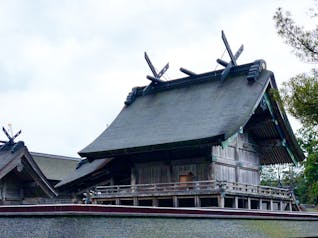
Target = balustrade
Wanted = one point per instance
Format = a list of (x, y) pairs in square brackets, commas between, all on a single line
[(196, 187)]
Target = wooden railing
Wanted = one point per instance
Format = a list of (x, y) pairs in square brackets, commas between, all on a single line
[(161, 188), (196, 187), (255, 189)]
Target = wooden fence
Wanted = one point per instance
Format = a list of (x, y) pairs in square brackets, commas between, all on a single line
[(191, 188)]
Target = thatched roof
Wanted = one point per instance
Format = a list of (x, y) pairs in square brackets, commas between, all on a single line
[(194, 111)]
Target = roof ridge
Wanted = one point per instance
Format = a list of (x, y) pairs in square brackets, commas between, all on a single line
[(55, 156), (251, 69)]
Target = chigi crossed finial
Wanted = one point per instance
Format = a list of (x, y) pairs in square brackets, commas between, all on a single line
[(10, 141), (232, 63), (11, 138), (155, 79)]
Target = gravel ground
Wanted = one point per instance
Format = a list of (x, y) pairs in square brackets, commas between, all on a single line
[(92, 227)]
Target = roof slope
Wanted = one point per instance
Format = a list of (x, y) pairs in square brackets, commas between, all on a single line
[(83, 170), (55, 167), (202, 112), (17, 156)]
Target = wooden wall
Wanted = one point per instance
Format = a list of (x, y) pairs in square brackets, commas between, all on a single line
[(153, 172), (1, 191), (170, 171), (11, 191), (237, 162)]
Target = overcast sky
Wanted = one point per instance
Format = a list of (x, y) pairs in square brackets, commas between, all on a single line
[(66, 67)]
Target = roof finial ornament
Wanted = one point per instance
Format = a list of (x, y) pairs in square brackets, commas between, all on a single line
[(232, 63), (11, 138), (10, 143), (155, 79)]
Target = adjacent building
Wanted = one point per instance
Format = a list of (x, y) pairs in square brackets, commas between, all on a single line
[(29, 177), (21, 179)]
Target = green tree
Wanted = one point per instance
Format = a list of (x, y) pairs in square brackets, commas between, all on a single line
[(309, 143), (303, 42), (300, 95)]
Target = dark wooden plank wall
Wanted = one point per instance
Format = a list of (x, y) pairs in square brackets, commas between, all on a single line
[(1, 190), (165, 172), (238, 162), (147, 173), (198, 167), (11, 190)]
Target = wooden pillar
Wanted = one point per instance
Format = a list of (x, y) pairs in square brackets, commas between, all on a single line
[(236, 202), (221, 201), (211, 175), (281, 205), (111, 182), (260, 204), (169, 170), (1, 186), (175, 201), (4, 191), (271, 207), (290, 206), (249, 203), (117, 201), (133, 177), (135, 201), (155, 202), (237, 164), (197, 202)]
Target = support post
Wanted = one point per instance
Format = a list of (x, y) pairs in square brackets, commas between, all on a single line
[(135, 201), (169, 175), (117, 201), (133, 176), (290, 206), (221, 201), (175, 201), (281, 205), (237, 162), (133, 179), (236, 202), (260, 204), (4, 191), (271, 207), (155, 202), (249, 203), (197, 202)]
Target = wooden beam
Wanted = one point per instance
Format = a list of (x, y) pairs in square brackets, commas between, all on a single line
[(230, 65), (152, 68), (228, 48), (222, 62), (154, 79), (164, 69), (270, 142), (256, 124), (187, 72)]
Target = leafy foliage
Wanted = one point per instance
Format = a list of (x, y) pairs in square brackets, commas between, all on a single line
[(309, 143), (300, 97), (304, 43)]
